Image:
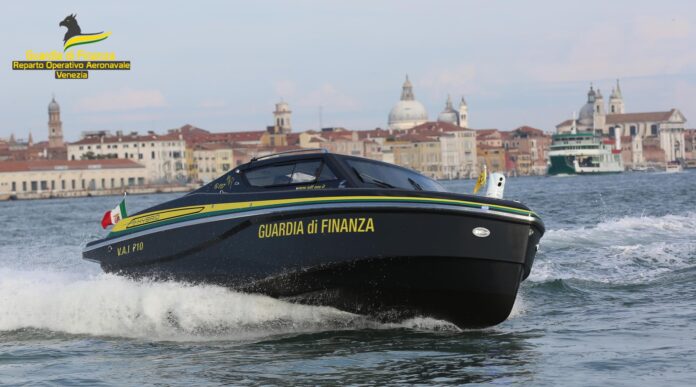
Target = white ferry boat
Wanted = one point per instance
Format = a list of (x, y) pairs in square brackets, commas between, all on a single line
[(584, 153)]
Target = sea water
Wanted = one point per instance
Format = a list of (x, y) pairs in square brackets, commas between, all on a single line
[(611, 300)]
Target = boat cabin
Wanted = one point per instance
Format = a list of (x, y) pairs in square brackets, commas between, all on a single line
[(317, 169)]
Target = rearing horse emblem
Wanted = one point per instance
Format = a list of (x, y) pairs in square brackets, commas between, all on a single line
[(75, 37)]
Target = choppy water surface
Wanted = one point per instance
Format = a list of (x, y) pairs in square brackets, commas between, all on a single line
[(611, 300)]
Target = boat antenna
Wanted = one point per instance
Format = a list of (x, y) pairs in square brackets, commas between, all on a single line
[(321, 124)]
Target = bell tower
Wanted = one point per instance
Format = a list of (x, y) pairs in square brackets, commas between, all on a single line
[(616, 103), (463, 114), (55, 126), (282, 117)]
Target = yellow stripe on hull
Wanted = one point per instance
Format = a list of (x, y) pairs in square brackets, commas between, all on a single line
[(157, 216)]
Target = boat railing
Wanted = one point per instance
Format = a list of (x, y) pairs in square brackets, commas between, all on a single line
[(293, 151)]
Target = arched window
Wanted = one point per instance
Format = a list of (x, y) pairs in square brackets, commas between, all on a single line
[(653, 129), (613, 109)]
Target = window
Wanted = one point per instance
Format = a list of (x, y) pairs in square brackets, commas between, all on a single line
[(387, 176), (653, 130), (113, 182), (634, 131), (131, 181), (152, 156), (141, 180), (53, 184), (295, 173), (34, 186), (73, 184), (24, 186), (62, 185), (14, 186)]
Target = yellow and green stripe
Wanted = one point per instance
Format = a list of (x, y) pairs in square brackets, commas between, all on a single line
[(168, 216), (85, 39)]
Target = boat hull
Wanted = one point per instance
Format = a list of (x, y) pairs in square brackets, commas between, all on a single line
[(388, 260)]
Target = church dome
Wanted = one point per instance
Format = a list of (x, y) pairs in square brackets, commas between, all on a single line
[(449, 115), (53, 106), (408, 112), (586, 115)]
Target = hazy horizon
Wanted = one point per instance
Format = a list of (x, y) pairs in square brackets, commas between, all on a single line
[(222, 66)]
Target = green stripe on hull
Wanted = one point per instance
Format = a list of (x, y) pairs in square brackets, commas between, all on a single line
[(224, 212)]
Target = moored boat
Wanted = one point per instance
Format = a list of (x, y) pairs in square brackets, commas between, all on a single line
[(319, 228)]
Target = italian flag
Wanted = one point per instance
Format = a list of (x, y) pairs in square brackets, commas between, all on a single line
[(113, 216)]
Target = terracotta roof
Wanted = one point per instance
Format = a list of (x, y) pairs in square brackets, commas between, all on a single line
[(374, 133), (486, 132), (565, 123), (50, 165), (213, 146), (639, 117), (438, 126), (127, 138), (414, 137), (529, 130), (237, 136)]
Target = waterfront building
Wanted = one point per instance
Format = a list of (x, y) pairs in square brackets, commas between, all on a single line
[(162, 155), (457, 147), (528, 150), (212, 160), (665, 126), (44, 178)]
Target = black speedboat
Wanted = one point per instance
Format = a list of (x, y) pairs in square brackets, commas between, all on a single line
[(318, 228)]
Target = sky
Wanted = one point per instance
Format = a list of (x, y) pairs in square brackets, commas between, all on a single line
[(222, 65)]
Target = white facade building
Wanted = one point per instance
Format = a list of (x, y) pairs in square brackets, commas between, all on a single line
[(667, 127), (162, 155)]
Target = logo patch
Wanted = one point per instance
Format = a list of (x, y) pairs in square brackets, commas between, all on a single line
[(481, 232)]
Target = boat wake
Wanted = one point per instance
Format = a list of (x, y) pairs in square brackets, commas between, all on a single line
[(629, 250), (109, 305)]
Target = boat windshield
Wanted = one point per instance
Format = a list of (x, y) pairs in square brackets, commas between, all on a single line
[(301, 172), (387, 176)]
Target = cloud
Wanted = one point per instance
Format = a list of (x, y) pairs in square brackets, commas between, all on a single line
[(285, 88), (642, 47), (121, 100), (327, 95), (456, 79), (212, 103)]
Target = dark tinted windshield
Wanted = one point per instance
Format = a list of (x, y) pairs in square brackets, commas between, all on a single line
[(302, 172), (386, 176)]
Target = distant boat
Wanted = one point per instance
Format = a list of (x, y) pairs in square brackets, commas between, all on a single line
[(583, 153)]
